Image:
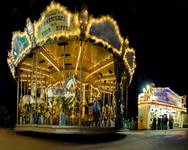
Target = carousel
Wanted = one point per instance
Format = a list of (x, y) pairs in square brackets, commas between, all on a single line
[(71, 71)]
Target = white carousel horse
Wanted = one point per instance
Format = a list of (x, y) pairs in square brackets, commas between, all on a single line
[(26, 99), (70, 90), (33, 89)]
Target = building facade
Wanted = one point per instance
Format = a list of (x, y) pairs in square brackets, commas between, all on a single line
[(158, 106)]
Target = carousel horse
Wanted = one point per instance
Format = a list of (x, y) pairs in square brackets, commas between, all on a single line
[(33, 89), (96, 112), (26, 99), (70, 96), (70, 90), (42, 93), (24, 107)]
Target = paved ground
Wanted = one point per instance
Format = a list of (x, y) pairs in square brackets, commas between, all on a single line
[(130, 140)]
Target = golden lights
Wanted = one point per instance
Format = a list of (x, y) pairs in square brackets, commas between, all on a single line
[(97, 70), (97, 40), (78, 59), (25, 51), (150, 103), (74, 25), (48, 59), (73, 22)]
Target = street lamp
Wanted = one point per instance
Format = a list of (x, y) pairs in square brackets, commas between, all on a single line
[(148, 87), (144, 90)]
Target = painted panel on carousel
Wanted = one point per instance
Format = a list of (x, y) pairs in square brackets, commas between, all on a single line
[(20, 46), (56, 21), (106, 29)]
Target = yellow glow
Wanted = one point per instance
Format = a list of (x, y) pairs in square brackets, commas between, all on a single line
[(107, 77), (40, 68), (143, 103), (131, 70), (57, 34), (23, 52), (68, 20), (41, 52), (26, 80), (78, 59), (10, 61), (30, 70), (107, 84), (105, 91), (148, 87), (29, 76), (97, 40), (83, 100), (110, 63), (74, 23), (105, 59), (98, 95), (110, 78)]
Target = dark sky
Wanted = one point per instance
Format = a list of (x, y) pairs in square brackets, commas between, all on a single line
[(157, 31)]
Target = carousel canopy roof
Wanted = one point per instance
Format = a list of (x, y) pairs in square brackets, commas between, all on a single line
[(61, 40)]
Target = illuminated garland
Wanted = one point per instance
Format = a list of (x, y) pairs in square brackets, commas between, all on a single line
[(23, 52), (74, 18), (161, 104), (97, 40), (61, 33)]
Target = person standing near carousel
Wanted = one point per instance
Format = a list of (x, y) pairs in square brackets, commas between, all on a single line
[(96, 113), (171, 121), (164, 122), (159, 123)]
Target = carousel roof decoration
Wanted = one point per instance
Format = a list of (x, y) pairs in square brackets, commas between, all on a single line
[(21, 46), (66, 24), (105, 31), (129, 57), (57, 24)]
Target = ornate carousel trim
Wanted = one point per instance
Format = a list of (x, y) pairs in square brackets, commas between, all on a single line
[(56, 12)]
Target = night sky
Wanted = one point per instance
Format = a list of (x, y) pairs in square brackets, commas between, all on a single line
[(157, 31)]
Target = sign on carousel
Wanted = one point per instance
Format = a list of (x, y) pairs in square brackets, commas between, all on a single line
[(55, 22)]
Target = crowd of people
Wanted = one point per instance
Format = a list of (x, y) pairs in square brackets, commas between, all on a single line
[(98, 115), (162, 122)]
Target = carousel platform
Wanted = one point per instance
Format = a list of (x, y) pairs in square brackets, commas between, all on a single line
[(55, 129)]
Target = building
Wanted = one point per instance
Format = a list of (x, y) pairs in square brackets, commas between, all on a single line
[(155, 103)]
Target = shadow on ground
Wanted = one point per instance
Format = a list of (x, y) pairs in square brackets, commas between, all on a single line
[(76, 138)]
